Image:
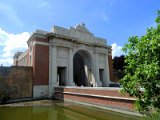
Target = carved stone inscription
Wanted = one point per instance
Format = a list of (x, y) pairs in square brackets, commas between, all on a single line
[(62, 55)]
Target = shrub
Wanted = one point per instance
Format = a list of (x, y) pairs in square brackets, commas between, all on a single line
[(154, 116)]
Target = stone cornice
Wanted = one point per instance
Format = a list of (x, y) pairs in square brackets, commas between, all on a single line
[(35, 35), (75, 40)]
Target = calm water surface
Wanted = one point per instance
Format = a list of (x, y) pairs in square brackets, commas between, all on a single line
[(58, 111)]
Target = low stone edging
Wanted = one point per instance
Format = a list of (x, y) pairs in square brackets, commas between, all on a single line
[(108, 97), (23, 100)]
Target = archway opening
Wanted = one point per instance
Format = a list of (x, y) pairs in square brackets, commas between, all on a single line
[(82, 66)]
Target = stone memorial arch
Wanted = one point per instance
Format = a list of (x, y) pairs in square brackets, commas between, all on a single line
[(66, 57), (77, 58), (83, 70)]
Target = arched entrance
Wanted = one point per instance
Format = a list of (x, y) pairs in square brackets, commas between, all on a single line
[(82, 68)]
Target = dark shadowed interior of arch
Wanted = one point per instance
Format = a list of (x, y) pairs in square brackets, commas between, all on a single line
[(81, 62)]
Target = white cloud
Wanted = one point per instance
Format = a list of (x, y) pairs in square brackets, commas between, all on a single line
[(42, 4), (105, 17), (116, 50), (108, 2), (10, 14), (7, 61), (100, 14), (11, 43), (103, 13)]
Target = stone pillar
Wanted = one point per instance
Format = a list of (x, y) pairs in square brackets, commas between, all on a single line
[(99, 84), (53, 70), (106, 72), (70, 68)]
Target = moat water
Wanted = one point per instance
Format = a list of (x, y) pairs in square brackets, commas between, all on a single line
[(57, 110)]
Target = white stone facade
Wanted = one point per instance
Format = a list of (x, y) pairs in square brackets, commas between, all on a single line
[(65, 43), (76, 58)]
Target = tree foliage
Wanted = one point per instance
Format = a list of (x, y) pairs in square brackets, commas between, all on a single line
[(154, 116), (118, 63), (118, 67), (142, 70)]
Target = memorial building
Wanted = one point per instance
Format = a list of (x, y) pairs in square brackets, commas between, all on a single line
[(66, 57)]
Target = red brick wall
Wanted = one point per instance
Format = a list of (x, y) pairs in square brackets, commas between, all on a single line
[(21, 78), (112, 78), (40, 64), (101, 101), (104, 92), (18, 82), (28, 57), (76, 94)]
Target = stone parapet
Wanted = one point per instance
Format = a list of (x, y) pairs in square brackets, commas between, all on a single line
[(108, 97)]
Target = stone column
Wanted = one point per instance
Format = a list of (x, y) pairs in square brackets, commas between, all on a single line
[(99, 84), (106, 71), (70, 68), (53, 70)]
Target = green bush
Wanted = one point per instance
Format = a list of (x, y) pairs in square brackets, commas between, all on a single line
[(155, 116), (142, 69)]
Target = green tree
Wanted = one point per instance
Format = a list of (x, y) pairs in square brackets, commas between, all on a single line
[(118, 67), (154, 116), (118, 63), (142, 70)]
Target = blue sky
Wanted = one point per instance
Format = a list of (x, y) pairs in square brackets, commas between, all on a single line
[(114, 20)]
